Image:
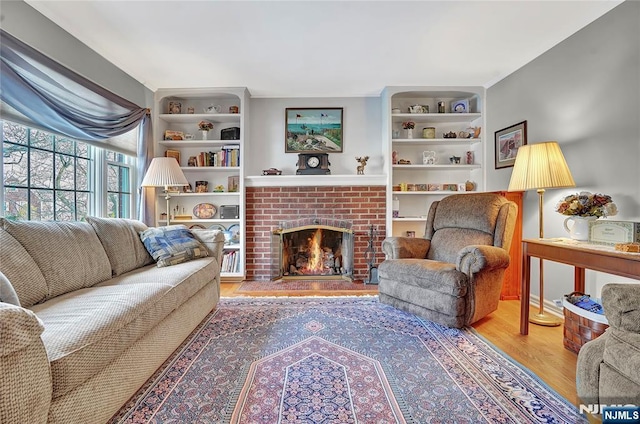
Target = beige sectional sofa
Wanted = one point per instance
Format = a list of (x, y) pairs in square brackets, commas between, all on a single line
[(96, 318)]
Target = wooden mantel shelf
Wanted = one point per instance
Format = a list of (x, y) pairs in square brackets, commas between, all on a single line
[(315, 180)]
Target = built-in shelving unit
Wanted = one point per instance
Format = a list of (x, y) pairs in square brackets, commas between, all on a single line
[(195, 105), (415, 185)]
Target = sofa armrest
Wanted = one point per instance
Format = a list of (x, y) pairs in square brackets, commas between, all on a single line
[(405, 247), (213, 241), (25, 394), (622, 306), (476, 258)]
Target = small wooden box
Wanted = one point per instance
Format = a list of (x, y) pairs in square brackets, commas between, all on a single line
[(604, 231)]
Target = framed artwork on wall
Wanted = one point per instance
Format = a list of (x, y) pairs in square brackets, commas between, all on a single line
[(508, 140), (313, 129)]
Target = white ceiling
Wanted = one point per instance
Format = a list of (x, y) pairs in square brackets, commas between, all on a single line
[(320, 48)]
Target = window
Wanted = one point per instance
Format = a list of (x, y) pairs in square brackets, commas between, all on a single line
[(118, 186), (51, 177)]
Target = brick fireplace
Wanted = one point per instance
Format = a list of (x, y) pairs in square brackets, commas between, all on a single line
[(268, 207)]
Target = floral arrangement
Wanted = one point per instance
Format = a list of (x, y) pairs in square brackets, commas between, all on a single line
[(586, 204), (205, 126), (409, 125)]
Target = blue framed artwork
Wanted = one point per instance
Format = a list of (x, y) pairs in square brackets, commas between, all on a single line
[(313, 129)]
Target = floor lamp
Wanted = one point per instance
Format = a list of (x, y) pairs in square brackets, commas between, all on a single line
[(538, 167), (164, 172)]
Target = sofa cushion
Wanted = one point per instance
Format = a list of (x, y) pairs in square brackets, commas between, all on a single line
[(69, 254), (89, 328), (121, 240), (172, 245), (21, 270)]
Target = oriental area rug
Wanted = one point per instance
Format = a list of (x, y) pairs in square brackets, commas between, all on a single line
[(302, 285), (338, 360)]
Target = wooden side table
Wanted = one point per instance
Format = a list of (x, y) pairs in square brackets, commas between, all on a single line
[(581, 256)]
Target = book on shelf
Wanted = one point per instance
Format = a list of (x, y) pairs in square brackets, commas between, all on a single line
[(227, 156), (230, 261)]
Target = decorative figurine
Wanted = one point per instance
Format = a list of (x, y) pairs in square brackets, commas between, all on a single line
[(363, 162)]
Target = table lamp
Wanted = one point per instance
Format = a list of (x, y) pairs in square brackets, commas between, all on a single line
[(164, 172), (538, 167)]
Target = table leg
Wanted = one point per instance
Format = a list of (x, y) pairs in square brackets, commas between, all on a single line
[(525, 291), (578, 279)]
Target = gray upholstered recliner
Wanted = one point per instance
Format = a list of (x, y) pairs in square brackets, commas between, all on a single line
[(608, 368), (452, 276)]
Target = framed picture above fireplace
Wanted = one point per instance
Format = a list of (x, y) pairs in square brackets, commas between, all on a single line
[(313, 129)]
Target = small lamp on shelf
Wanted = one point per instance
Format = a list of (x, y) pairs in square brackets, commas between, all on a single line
[(164, 172), (538, 167)]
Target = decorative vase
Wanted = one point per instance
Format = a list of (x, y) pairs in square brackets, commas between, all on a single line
[(579, 230), (409, 132), (205, 133)]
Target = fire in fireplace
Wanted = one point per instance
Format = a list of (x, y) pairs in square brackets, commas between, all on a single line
[(313, 248)]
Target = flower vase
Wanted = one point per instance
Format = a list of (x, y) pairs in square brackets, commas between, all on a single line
[(409, 132), (579, 229), (205, 133)]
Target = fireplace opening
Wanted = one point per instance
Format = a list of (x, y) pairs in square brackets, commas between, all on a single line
[(316, 249)]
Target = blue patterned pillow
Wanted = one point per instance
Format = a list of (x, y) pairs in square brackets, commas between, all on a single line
[(172, 245)]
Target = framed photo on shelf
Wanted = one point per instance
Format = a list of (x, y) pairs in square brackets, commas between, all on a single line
[(233, 183), (313, 130), (173, 154), (508, 140)]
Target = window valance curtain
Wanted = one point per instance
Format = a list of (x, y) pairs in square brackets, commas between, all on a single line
[(52, 97)]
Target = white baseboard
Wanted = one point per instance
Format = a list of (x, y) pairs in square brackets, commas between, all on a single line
[(549, 306)]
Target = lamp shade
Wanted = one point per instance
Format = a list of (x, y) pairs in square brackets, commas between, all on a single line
[(164, 172), (540, 166)]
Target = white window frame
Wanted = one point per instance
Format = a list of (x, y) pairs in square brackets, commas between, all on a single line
[(97, 186)]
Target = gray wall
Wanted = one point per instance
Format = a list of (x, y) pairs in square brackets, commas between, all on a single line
[(362, 123), (30, 26), (585, 94)]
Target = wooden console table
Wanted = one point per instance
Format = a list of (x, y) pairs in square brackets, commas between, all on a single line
[(581, 255)]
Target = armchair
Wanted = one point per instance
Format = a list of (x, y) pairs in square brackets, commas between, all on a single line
[(452, 276), (607, 371)]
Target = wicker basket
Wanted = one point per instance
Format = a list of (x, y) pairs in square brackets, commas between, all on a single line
[(581, 326)]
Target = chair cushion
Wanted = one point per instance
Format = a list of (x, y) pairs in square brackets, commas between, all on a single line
[(87, 329), (437, 276), (69, 254), (121, 240), (172, 245)]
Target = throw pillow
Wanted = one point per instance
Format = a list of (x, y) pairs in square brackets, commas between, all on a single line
[(172, 245), (7, 293)]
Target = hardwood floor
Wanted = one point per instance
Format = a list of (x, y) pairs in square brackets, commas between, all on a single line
[(541, 351)]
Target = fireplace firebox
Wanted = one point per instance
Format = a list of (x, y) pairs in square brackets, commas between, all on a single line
[(312, 248)]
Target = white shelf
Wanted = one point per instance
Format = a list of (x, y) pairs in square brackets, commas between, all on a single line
[(418, 202), (433, 192), (207, 194), (209, 168), (436, 141), (197, 143), (435, 117), (185, 118), (437, 167), (315, 180), (199, 221), (198, 100)]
